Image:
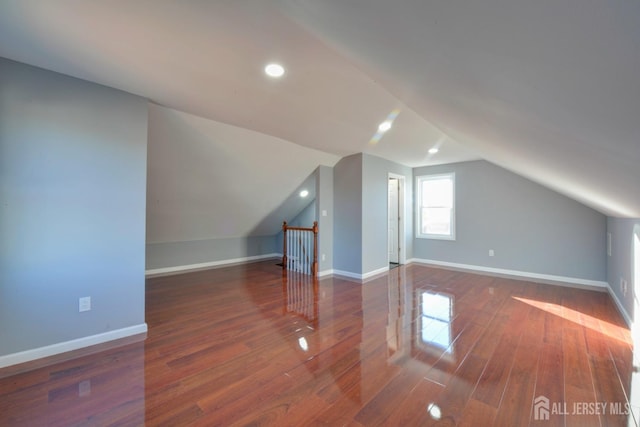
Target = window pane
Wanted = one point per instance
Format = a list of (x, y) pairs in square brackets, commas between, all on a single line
[(436, 206), (437, 193), (436, 221)]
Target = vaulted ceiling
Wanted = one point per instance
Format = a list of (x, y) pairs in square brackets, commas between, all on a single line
[(548, 89)]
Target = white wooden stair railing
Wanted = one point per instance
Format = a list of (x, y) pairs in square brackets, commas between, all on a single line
[(300, 251)]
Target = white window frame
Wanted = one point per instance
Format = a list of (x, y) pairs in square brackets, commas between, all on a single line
[(419, 181)]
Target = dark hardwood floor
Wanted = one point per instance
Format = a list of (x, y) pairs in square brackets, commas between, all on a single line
[(419, 346)]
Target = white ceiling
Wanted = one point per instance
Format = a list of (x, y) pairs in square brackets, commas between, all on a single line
[(548, 88)]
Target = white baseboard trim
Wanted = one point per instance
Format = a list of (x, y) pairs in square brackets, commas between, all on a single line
[(620, 308), (63, 347), (362, 277), (326, 273), (374, 273), (537, 277), (206, 265), (347, 274)]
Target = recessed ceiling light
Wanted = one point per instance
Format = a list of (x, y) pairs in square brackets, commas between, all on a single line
[(274, 70), (384, 126), (433, 150), (304, 193)]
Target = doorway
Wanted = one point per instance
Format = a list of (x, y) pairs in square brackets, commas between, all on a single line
[(395, 217)]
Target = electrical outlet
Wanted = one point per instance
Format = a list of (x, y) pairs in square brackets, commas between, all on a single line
[(324, 257), (623, 286), (84, 304), (491, 252)]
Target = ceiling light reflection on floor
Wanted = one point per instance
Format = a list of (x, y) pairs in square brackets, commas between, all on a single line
[(302, 342), (434, 411)]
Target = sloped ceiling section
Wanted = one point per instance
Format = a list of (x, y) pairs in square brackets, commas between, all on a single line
[(209, 180), (548, 89), (207, 58)]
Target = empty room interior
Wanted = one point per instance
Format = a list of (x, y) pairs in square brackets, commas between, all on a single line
[(319, 213)]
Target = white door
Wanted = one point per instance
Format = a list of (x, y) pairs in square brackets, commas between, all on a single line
[(393, 220)]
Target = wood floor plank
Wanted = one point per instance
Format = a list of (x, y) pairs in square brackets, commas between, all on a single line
[(457, 392), (609, 390), (379, 409), (548, 382), (516, 405), (415, 404), (492, 381), (579, 383), (477, 413), (237, 346)]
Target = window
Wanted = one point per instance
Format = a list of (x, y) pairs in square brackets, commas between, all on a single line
[(436, 206)]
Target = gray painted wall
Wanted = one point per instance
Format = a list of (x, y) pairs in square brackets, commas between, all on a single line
[(173, 254), (306, 217), (530, 227), (347, 209), (360, 212), (375, 193), (208, 189), (72, 207), (621, 263), (324, 202)]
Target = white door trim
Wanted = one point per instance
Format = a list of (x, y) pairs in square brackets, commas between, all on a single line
[(402, 210)]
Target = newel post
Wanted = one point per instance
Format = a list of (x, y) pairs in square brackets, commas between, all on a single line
[(314, 266), (284, 249)]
